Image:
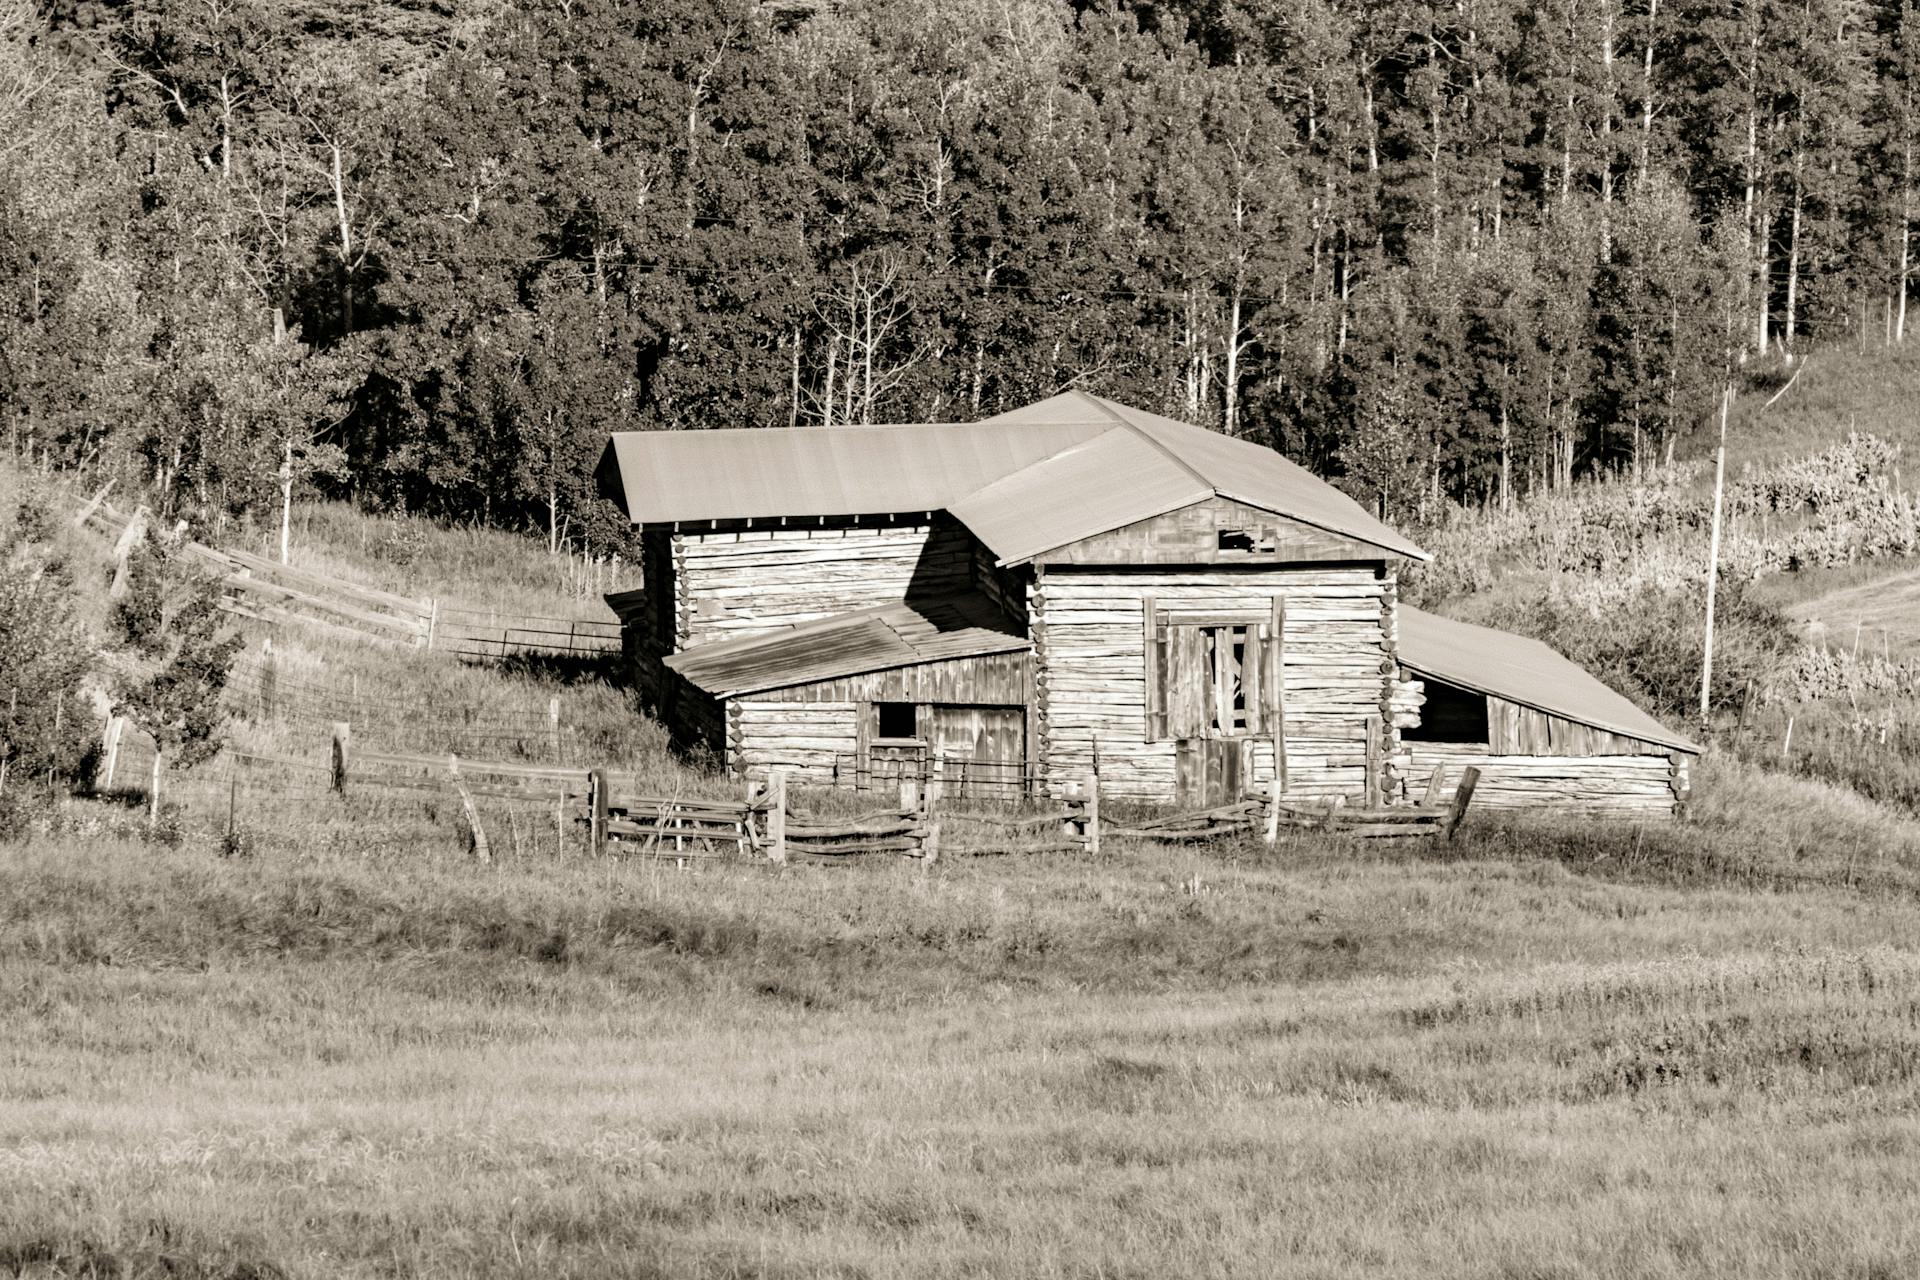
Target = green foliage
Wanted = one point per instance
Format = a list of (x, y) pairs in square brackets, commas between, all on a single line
[(46, 657), (171, 614)]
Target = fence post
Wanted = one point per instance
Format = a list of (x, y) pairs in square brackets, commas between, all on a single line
[(777, 815), (481, 849), (1461, 799), (269, 679), (153, 790), (909, 791), (1274, 788), (1093, 813), (433, 618), (597, 822), (553, 718), (342, 738)]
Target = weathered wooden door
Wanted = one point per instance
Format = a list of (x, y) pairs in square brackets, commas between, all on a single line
[(1209, 772), (982, 750)]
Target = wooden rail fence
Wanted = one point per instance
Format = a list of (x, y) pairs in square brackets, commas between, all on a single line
[(1436, 815), (267, 591)]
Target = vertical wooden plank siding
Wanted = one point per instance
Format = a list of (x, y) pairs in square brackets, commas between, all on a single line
[(1328, 642), (1150, 647)]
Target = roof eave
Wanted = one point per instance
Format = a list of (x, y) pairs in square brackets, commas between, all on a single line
[(1668, 739), (1014, 645)]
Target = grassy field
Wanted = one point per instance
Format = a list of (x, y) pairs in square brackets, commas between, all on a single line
[(1839, 390), (1540, 1053)]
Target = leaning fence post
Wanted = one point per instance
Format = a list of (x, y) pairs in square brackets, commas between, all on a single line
[(342, 737), (1461, 799), (481, 849), (777, 815)]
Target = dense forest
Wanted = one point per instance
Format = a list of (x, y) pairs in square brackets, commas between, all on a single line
[(428, 252)]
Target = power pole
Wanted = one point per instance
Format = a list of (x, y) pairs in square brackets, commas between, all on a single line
[(1713, 553)]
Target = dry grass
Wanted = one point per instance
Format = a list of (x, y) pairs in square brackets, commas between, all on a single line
[(1539, 1054)]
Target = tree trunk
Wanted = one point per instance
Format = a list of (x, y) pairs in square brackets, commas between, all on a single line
[(286, 501)]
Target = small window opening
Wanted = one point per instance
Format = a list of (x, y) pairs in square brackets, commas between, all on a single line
[(897, 720), (1450, 714), (1235, 540)]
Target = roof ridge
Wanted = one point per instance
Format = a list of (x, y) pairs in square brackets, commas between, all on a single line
[(1112, 408)]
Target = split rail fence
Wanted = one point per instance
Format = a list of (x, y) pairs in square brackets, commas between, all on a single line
[(1436, 815), (267, 591)]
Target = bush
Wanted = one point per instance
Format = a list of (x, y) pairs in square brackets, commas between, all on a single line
[(171, 614), (1650, 643), (45, 660)]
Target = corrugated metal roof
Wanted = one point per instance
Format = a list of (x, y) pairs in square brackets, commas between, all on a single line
[(1525, 671), (662, 476), (1075, 494), (1025, 482), (1238, 469), (850, 644)]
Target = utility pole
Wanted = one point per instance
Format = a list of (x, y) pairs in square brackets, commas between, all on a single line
[(1713, 553)]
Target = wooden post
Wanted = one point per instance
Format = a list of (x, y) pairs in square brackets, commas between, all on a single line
[(481, 849), (1370, 792), (777, 815), (1276, 687), (553, 718), (233, 798), (909, 790), (1093, 813), (1273, 812), (1713, 553), (153, 790), (597, 811), (930, 844), (433, 618), (1434, 784), (1746, 707), (1462, 797), (342, 738), (1154, 676), (86, 512), (269, 677)]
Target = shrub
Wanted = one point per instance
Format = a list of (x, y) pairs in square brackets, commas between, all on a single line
[(171, 614), (45, 660)]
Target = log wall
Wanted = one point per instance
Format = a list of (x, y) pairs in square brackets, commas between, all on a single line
[(804, 738), (1644, 788), (731, 583), (1091, 669)]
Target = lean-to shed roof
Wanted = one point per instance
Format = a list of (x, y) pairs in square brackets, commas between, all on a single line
[(1525, 671), (878, 639), (1025, 482)]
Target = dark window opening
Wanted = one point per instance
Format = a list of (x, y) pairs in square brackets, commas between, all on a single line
[(1235, 540), (1225, 650), (897, 720), (1450, 714)]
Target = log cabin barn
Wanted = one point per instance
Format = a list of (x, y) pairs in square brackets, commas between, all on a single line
[(1075, 587), (1542, 731)]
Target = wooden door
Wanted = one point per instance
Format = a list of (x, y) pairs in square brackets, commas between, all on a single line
[(1210, 772), (982, 750)]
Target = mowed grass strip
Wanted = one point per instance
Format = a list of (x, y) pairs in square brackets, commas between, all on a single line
[(1165, 1063)]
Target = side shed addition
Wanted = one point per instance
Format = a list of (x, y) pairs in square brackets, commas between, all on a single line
[(1542, 731), (862, 697)]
